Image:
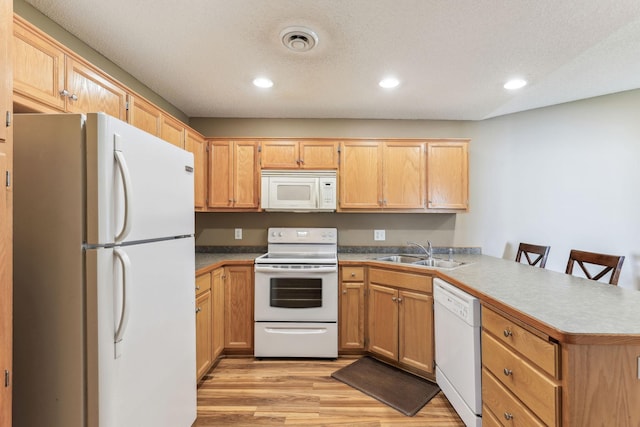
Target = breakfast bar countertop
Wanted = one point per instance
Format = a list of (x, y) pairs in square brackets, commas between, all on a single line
[(569, 308)]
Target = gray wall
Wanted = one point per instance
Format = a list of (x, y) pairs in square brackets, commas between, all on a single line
[(564, 176)]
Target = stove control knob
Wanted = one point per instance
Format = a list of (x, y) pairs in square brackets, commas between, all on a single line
[(280, 234)]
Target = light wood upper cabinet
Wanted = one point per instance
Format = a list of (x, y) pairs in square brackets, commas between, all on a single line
[(448, 175), (47, 78), (38, 70), (172, 130), (378, 175), (196, 144), (91, 91), (233, 175), (360, 175), (144, 115), (403, 175), (307, 154)]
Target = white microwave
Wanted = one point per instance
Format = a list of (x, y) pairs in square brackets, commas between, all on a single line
[(299, 191)]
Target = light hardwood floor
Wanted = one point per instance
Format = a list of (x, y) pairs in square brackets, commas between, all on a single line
[(250, 392)]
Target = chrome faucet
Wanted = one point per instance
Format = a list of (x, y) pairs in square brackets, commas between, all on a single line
[(428, 252)]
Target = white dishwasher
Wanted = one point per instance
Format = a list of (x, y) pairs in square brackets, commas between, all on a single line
[(458, 353)]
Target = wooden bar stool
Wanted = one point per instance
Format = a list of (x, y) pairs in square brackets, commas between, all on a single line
[(527, 249), (610, 263)]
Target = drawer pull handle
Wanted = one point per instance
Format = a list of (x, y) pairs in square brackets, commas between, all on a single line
[(507, 333), (508, 416), (507, 372), (353, 274)]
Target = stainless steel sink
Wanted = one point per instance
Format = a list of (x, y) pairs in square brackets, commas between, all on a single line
[(405, 259), (420, 260), (439, 263)]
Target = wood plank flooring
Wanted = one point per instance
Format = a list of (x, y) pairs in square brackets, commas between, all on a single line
[(250, 392)]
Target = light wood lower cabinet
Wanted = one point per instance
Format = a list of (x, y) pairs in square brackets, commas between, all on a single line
[(204, 354), (217, 300), (517, 363), (238, 309), (400, 319), (352, 309)]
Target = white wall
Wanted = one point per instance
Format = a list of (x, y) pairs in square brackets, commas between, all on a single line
[(567, 176)]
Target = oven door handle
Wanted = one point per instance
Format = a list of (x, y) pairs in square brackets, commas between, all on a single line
[(328, 269), (296, 331)]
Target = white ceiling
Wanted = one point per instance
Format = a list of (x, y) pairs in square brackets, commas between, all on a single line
[(452, 57)]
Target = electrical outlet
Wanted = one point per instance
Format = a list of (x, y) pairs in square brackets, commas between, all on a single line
[(238, 234), (378, 235)]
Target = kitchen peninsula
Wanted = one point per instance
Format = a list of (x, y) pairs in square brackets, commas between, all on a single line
[(592, 329)]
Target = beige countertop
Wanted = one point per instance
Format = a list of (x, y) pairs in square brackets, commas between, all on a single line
[(567, 308)]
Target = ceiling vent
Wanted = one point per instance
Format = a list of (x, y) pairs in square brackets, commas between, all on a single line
[(299, 39)]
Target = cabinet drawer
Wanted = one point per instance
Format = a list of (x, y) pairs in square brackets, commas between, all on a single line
[(488, 418), (399, 279), (538, 350), (352, 274), (203, 283), (529, 384), (503, 405)]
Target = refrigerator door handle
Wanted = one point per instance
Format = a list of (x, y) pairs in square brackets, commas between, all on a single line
[(126, 183), (126, 303)]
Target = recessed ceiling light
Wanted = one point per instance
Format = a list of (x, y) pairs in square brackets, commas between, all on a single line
[(262, 82), (515, 84), (389, 82)]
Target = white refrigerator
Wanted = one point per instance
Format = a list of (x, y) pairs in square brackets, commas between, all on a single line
[(104, 294)]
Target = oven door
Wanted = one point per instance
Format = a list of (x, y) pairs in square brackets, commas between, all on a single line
[(296, 293)]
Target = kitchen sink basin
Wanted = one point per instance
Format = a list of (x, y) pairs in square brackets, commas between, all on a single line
[(404, 259), (439, 263), (420, 260)]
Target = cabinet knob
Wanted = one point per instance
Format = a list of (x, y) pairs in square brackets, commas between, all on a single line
[(353, 274), (197, 288), (508, 416), (507, 333), (394, 299), (399, 299), (73, 97), (198, 310), (507, 371), (344, 292)]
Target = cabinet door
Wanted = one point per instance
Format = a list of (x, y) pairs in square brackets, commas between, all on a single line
[(403, 175), (279, 155), (361, 175), (95, 92), (195, 144), (245, 175), (6, 215), (383, 321), (171, 130), (220, 182), (217, 296), (144, 115), (416, 330), (238, 308), (447, 175), (38, 71), (351, 319), (203, 333), (319, 154)]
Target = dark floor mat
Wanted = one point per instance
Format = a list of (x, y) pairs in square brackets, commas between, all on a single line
[(401, 390)]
